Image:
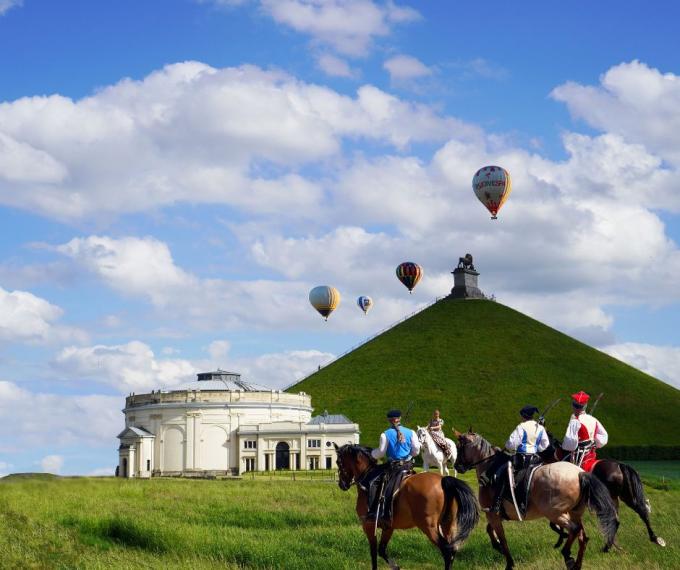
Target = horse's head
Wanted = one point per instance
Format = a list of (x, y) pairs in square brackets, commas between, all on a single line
[(472, 448), (421, 434), (353, 461)]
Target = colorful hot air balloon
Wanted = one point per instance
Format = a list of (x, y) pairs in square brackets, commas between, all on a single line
[(492, 186), (409, 274), (324, 299), (365, 303)]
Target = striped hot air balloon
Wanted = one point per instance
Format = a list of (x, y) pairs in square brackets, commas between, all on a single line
[(492, 186), (325, 299), (409, 274), (365, 303)]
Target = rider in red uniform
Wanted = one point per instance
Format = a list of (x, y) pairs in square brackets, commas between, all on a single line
[(584, 434)]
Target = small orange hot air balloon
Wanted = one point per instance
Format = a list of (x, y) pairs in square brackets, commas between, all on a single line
[(492, 186), (409, 274)]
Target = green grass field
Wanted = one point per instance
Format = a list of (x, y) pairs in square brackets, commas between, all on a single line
[(98, 523)]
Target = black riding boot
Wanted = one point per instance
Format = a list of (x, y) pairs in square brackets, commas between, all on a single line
[(497, 505)]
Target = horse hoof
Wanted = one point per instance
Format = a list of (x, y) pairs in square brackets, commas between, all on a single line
[(660, 541), (571, 563)]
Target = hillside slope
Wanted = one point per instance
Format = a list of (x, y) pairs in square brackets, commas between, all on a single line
[(479, 362)]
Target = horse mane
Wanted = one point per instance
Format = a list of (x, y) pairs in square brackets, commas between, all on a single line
[(484, 447), (356, 450)]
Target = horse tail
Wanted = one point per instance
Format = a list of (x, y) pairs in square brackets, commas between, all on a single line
[(467, 514), (595, 494), (633, 492)]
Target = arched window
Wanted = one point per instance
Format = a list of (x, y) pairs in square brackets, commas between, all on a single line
[(282, 455)]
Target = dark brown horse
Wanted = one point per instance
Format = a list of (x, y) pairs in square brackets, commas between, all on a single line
[(622, 482), (444, 508), (559, 492)]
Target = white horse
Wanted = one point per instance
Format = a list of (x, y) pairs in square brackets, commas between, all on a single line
[(432, 455)]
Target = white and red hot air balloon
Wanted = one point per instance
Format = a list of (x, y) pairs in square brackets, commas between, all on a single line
[(492, 186)]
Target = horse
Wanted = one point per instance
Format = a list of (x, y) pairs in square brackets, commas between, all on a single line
[(433, 455), (559, 492), (622, 481), (443, 508)]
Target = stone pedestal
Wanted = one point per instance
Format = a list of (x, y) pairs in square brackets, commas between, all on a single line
[(465, 284)]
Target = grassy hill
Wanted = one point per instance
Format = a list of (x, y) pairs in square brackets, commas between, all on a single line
[(479, 362)]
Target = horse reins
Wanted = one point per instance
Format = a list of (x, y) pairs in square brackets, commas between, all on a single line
[(468, 467), (354, 479)]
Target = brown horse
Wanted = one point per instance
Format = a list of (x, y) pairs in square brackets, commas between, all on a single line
[(622, 482), (444, 508), (559, 492)]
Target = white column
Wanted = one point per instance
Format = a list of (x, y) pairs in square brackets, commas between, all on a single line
[(198, 428), (156, 430), (189, 443), (132, 463)]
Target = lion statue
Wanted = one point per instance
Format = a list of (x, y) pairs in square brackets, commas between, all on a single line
[(466, 262)]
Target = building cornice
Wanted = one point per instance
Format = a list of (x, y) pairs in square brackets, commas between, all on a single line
[(219, 405)]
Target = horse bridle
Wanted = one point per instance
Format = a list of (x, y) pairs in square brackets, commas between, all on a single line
[(353, 479), (464, 468)]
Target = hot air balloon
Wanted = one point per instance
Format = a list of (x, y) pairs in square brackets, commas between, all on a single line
[(324, 299), (365, 303), (409, 274), (492, 186)]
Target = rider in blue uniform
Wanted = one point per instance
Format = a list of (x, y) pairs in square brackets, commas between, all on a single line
[(400, 444)]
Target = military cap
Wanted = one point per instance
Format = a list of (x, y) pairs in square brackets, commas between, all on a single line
[(528, 411), (394, 414), (579, 399)]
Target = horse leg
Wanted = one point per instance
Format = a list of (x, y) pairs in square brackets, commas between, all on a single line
[(492, 536), (382, 547), (497, 525), (448, 550), (563, 535), (369, 531), (615, 500), (643, 511), (582, 543), (574, 530)]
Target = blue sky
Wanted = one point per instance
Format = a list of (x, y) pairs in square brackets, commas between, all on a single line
[(175, 176)]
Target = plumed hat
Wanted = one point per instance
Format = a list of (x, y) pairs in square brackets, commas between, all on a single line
[(528, 411), (394, 414), (579, 399)]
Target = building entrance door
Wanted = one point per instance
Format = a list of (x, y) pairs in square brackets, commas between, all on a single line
[(282, 455)]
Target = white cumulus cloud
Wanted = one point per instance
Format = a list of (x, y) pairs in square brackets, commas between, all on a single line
[(25, 317), (5, 5), (52, 463), (662, 362), (196, 134), (348, 26), (127, 367), (633, 100), (334, 66), (406, 67)]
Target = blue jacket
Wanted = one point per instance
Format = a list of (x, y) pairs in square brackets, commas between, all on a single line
[(396, 450)]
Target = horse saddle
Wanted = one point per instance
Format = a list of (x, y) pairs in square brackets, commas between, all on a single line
[(520, 481), (384, 487)]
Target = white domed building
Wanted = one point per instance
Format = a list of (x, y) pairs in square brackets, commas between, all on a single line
[(221, 425)]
